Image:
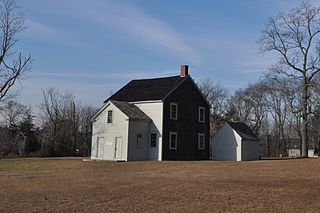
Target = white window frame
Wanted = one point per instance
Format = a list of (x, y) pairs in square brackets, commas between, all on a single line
[(199, 141), (171, 114), (156, 139), (204, 114), (139, 142), (170, 142), (111, 116)]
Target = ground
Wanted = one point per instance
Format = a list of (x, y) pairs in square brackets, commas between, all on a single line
[(72, 185)]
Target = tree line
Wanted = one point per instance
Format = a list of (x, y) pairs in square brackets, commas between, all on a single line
[(271, 107), (63, 125), (284, 105), (61, 128)]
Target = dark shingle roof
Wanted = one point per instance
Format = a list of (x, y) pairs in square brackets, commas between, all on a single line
[(147, 89), (244, 131), (131, 110)]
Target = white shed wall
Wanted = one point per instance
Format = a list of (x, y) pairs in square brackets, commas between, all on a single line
[(311, 153), (226, 144), (134, 152), (109, 132), (155, 111), (294, 152)]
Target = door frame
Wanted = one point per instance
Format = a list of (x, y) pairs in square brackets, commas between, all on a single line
[(100, 147), (116, 148)]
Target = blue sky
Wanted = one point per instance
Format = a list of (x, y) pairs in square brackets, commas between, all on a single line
[(92, 48)]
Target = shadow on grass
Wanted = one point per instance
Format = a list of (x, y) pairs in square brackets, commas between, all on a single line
[(285, 158)]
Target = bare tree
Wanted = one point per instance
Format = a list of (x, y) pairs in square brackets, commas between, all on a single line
[(13, 114), (279, 98), (12, 64), (315, 117), (239, 110), (218, 97), (250, 105), (66, 124), (256, 97), (87, 112), (295, 37), (50, 116)]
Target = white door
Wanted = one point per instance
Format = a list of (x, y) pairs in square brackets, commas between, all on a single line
[(100, 145), (118, 149)]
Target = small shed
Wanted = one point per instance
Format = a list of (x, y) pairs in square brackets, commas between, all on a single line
[(235, 141)]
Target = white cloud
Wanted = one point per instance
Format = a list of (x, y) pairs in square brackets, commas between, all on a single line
[(41, 29), (235, 53), (148, 29), (90, 88), (285, 5), (87, 93), (104, 75), (37, 30), (138, 26)]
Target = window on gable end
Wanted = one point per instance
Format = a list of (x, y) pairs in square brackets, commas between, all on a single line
[(109, 118), (173, 111)]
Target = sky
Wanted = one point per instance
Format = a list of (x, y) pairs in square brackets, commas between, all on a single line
[(93, 48)]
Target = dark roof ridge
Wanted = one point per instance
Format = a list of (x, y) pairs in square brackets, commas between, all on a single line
[(243, 130), (131, 110), (147, 89), (157, 78)]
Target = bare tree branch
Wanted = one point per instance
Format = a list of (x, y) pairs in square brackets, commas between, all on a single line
[(295, 36), (12, 65)]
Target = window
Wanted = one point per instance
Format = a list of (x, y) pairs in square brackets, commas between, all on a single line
[(201, 114), (201, 141), (109, 119), (139, 139), (173, 141), (153, 140), (173, 111)]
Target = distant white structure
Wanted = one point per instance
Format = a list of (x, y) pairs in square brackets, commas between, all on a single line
[(235, 141), (294, 144), (295, 152)]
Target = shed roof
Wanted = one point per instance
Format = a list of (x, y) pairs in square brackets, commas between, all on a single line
[(147, 89), (132, 111), (243, 130)]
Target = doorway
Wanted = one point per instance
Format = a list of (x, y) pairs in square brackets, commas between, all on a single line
[(100, 146), (118, 149)]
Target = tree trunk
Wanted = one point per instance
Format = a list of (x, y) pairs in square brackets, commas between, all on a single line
[(304, 126), (318, 144), (267, 146)]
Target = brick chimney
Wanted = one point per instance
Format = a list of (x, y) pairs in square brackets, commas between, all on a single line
[(184, 70)]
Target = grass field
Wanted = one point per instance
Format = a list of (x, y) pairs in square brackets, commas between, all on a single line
[(71, 185)]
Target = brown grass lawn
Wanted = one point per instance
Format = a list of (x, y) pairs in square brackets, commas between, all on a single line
[(71, 185)]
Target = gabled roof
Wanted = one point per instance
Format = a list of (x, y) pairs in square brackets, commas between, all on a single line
[(244, 131), (132, 111), (147, 89)]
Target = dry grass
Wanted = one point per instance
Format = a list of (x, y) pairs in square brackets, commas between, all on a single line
[(71, 185)]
